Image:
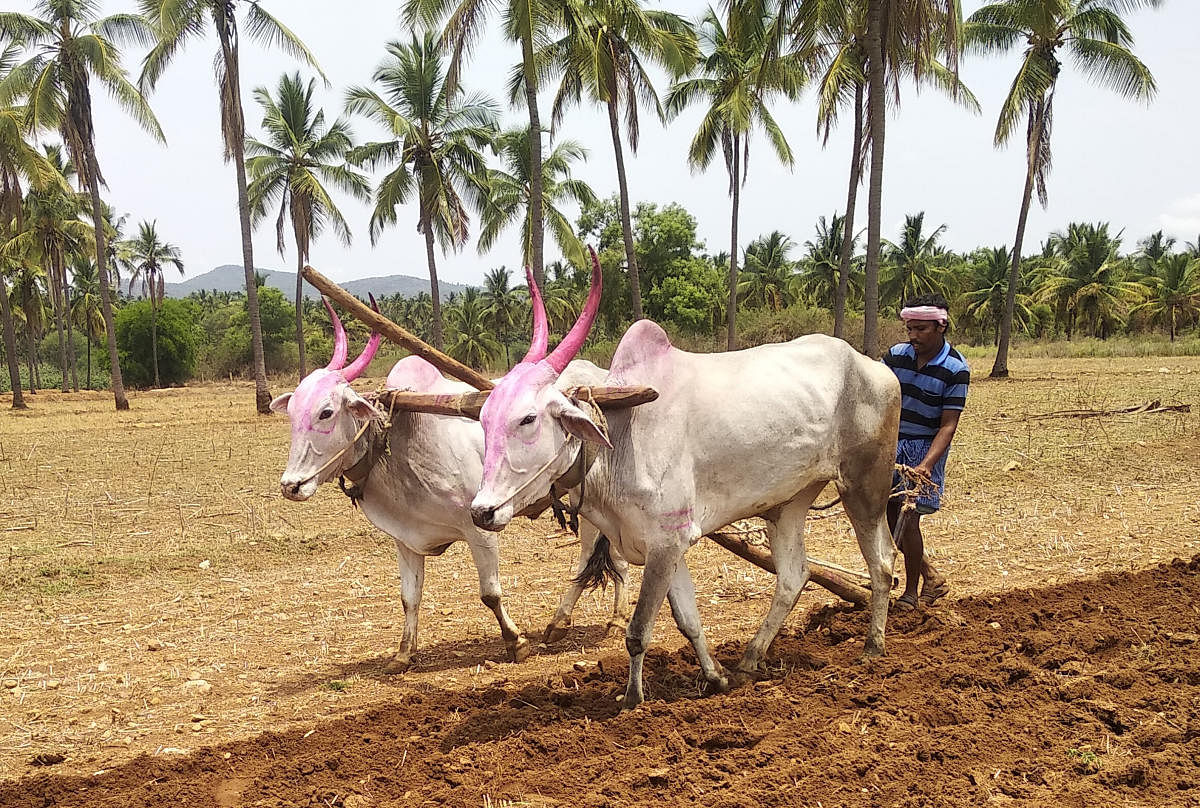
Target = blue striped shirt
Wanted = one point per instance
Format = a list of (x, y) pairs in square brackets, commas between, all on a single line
[(940, 385)]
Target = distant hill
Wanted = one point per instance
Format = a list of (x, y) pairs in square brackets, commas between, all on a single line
[(231, 278)]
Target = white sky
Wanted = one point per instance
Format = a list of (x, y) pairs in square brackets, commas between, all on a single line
[(1114, 160)]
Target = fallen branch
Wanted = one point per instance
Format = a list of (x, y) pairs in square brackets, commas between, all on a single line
[(1148, 408)]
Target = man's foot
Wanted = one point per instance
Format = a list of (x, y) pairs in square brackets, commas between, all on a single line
[(934, 590), (906, 602)]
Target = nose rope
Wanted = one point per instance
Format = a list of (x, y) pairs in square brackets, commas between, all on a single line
[(521, 489), (339, 455), (597, 418)]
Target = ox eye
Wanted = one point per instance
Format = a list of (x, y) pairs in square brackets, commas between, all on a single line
[(528, 419), (325, 415)]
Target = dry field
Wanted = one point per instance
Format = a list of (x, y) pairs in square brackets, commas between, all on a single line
[(171, 621)]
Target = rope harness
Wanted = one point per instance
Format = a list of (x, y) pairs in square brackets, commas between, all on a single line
[(361, 469), (567, 514)]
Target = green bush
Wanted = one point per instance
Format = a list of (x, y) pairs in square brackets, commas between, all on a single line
[(227, 350), (179, 340)]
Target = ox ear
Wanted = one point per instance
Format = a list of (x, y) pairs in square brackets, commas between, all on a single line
[(578, 423), (361, 408), (280, 404)]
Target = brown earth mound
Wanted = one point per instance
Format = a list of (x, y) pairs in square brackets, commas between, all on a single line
[(1082, 694)]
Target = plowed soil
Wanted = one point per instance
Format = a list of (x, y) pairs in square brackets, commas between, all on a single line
[(176, 634), (1082, 694)]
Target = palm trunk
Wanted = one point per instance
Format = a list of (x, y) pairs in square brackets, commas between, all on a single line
[(93, 181), (537, 226), (1000, 366), (154, 333), (235, 142), (843, 288), (71, 348), (635, 287), (731, 306), (876, 114), (434, 291), (10, 348), (56, 298), (1171, 315), (31, 347), (89, 361), (300, 259)]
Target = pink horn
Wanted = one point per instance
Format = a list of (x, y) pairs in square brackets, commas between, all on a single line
[(573, 341), (355, 368), (541, 332), (339, 338)]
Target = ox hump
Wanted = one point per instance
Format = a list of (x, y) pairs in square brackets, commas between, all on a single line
[(416, 374), (644, 344)]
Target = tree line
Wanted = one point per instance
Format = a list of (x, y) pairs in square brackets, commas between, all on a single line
[(1082, 282), (444, 157)]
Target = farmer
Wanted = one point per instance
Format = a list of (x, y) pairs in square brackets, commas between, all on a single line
[(933, 386)]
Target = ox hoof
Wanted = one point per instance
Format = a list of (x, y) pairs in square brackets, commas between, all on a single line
[(631, 702), (718, 684), (555, 632), (871, 652), (520, 650), (740, 678), (398, 664), (615, 626)]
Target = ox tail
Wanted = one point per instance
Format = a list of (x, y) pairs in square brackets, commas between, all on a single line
[(600, 569), (826, 506)]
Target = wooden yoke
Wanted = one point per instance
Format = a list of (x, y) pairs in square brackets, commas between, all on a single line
[(469, 404), (395, 333)]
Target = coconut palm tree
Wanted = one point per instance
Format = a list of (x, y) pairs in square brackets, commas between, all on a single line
[(474, 344), (148, 258), (291, 168), (174, 23), (71, 45), (818, 280), (898, 33), (436, 135), (502, 305), (1098, 41), (766, 272), (1088, 285), (916, 265), (831, 38), (983, 302), (53, 231), (1174, 292), (604, 52), (1151, 249), (29, 297), (737, 82), (510, 196), (85, 305), (19, 161), (526, 23)]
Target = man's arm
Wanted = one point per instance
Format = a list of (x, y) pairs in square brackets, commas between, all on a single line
[(941, 442)]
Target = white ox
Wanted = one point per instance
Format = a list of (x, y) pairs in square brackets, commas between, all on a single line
[(419, 492), (732, 435)]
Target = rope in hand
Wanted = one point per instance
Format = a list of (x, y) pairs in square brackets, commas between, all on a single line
[(915, 485)]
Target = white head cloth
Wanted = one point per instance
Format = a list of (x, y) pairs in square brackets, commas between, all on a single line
[(935, 313)]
